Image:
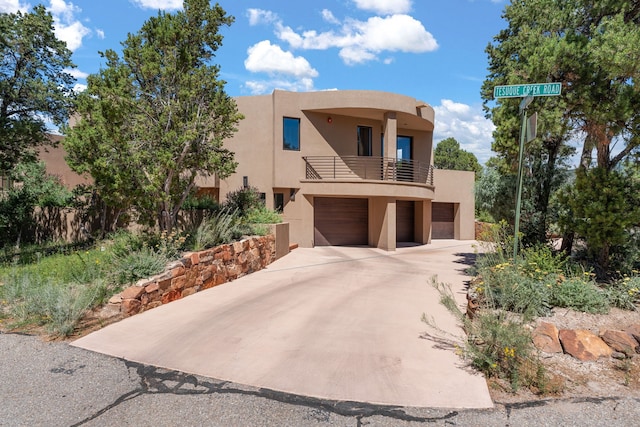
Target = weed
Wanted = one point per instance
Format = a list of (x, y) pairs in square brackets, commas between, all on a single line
[(498, 344)]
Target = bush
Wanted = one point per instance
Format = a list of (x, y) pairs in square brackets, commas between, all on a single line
[(243, 200), (220, 228), (498, 344), (579, 295), (138, 264), (624, 293), (262, 215), (34, 299)]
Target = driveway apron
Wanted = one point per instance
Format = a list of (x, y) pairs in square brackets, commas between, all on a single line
[(339, 323)]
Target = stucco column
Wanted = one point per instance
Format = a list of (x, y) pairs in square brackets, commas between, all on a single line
[(390, 134), (382, 223), (423, 221)]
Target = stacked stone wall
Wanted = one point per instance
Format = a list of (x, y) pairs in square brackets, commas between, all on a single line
[(194, 272)]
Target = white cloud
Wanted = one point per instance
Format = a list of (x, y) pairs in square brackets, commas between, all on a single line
[(79, 87), (258, 87), (467, 125), (66, 27), (76, 73), (12, 6), (361, 41), (384, 7), (159, 4), (287, 71), (263, 57), (100, 33), (328, 16), (260, 16)]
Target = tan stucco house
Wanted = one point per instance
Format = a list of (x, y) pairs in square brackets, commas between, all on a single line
[(348, 168)]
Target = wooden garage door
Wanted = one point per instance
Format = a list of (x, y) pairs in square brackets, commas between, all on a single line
[(442, 220), (405, 220), (340, 222)]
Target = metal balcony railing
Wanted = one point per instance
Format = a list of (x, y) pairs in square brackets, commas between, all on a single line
[(368, 168)]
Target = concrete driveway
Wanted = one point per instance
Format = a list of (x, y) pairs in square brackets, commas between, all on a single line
[(338, 323)]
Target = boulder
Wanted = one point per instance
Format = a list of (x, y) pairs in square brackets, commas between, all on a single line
[(545, 338), (634, 331), (583, 345), (621, 341)]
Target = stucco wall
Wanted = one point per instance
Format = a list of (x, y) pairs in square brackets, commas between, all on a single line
[(457, 187)]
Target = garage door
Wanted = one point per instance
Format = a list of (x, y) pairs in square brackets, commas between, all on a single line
[(442, 220), (340, 222), (405, 220)]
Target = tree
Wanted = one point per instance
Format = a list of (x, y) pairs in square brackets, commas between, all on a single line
[(591, 48), (155, 118), (449, 155), (603, 204), (34, 85), (33, 187)]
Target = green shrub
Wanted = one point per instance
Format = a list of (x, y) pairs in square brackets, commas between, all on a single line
[(624, 293), (262, 215), (498, 344), (205, 203), (32, 299), (129, 267), (243, 200), (507, 287), (540, 261), (579, 295), (220, 228)]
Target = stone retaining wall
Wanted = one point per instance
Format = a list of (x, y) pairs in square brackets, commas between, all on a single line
[(194, 272)]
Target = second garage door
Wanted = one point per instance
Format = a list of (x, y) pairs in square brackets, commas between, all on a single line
[(340, 222), (443, 220)]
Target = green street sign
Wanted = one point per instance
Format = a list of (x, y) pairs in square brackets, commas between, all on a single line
[(535, 89)]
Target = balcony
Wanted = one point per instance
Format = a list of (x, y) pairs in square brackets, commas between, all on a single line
[(370, 168)]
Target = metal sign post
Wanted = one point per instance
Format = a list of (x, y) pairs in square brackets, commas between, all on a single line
[(527, 92)]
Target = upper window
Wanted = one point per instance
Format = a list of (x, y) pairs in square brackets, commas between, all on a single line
[(364, 141), (404, 146), (291, 133)]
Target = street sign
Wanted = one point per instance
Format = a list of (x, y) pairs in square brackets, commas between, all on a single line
[(535, 89), (532, 127)]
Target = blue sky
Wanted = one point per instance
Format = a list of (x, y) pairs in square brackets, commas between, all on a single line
[(427, 49)]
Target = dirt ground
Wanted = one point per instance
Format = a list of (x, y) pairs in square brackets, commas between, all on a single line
[(603, 378)]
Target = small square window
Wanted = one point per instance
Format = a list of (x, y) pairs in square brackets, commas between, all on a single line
[(291, 133)]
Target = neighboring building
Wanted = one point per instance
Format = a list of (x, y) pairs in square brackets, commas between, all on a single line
[(348, 168)]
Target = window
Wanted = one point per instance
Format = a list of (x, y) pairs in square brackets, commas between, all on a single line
[(364, 141), (278, 202), (404, 147), (291, 134)]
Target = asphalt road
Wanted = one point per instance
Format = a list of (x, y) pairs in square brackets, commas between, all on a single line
[(55, 384)]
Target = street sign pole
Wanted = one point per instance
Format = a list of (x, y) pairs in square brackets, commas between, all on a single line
[(523, 135), (527, 92)]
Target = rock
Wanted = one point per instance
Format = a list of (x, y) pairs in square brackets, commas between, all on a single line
[(109, 311), (634, 331), (132, 292), (131, 306), (583, 345), (116, 299), (151, 287), (171, 296), (618, 355), (621, 341), (545, 338)]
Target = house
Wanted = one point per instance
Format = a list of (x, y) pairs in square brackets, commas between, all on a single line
[(348, 168)]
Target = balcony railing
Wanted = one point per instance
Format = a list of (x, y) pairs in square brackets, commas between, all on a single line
[(368, 168)]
